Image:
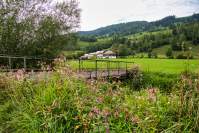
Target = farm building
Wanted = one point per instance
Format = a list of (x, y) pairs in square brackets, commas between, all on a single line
[(104, 54)]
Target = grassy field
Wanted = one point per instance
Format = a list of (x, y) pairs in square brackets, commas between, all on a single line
[(161, 52), (170, 66)]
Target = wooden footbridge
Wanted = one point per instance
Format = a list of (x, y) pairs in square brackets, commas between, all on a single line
[(87, 69)]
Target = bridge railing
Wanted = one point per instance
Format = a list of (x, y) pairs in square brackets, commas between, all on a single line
[(93, 68), (105, 68)]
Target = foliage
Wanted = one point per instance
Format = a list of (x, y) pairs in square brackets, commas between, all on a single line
[(122, 29), (73, 54), (70, 42), (184, 56), (88, 39), (138, 80), (35, 27), (169, 53), (183, 33), (98, 46), (135, 78), (160, 80), (66, 104)]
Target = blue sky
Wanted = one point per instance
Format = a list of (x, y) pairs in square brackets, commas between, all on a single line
[(99, 13)]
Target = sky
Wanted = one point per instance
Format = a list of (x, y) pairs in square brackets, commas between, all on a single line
[(100, 13)]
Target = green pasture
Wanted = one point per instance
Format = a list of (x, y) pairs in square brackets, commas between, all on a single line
[(161, 51), (170, 66)]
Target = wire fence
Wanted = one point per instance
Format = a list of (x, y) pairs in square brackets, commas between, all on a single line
[(13, 63)]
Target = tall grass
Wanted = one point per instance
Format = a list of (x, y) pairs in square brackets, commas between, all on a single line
[(67, 104)]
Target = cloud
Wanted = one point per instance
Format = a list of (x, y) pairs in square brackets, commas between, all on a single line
[(97, 13)]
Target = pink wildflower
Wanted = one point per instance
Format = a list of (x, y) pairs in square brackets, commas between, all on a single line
[(20, 74), (106, 112), (96, 110), (152, 94), (100, 99), (135, 120)]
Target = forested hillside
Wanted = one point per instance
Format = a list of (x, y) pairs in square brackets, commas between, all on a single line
[(176, 41), (139, 26)]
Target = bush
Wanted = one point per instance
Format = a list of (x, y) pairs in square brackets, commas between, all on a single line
[(75, 55), (88, 38), (184, 56), (169, 53), (138, 80), (135, 78), (161, 80)]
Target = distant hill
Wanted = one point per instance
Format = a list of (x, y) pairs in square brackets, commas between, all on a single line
[(181, 40), (139, 26), (123, 28)]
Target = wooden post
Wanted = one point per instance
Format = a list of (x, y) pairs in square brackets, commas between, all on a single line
[(10, 63), (79, 65), (126, 68), (91, 74), (24, 63), (118, 67), (65, 61), (96, 69), (108, 69)]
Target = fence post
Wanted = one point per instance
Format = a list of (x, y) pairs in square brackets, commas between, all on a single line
[(24, 63), (96, 69), (10, 63)]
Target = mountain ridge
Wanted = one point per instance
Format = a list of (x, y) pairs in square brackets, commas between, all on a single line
[(139, 26)]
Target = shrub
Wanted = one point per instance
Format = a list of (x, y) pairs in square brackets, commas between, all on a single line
[(161, 80), (75, 55), (138, 80), (135, 78), (169, 53), (184, 56)]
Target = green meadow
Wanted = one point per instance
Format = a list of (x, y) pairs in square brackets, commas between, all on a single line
[(170, 66)]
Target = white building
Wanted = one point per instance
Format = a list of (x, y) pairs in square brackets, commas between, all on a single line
[(109, 54), (104, 54)]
